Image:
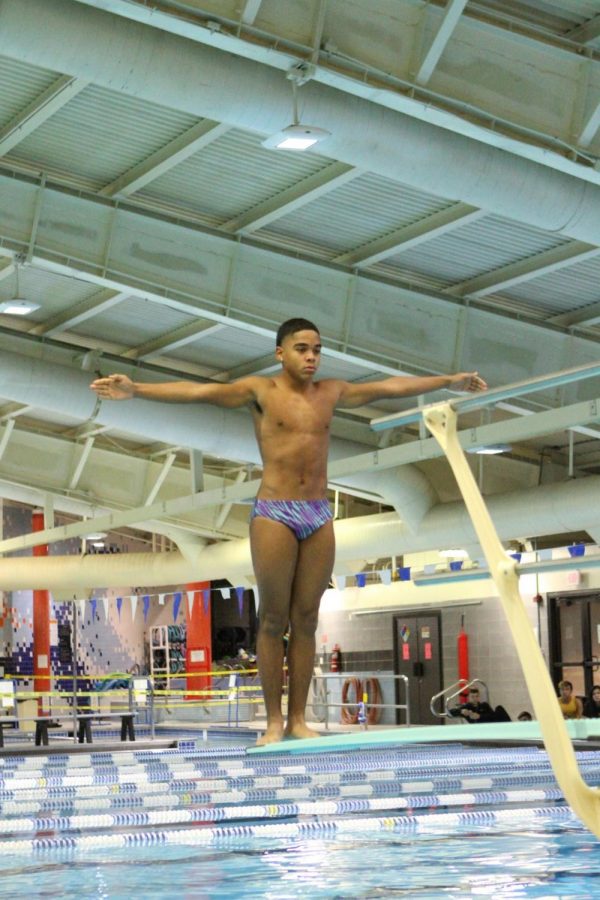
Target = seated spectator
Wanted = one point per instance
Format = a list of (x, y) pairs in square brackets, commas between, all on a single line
[(524, 716), (570, 705), (477, 710), (591, 707)]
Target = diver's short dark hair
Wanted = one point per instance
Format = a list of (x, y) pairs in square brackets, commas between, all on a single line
[(291, 326)]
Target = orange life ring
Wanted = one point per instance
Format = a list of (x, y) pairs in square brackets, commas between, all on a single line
[(372, 689), (348, 717)]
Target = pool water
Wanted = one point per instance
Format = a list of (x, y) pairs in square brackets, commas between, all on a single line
[(423, 822), (554, 860)]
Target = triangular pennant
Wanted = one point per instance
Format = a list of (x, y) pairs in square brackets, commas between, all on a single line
[(134, 601), (361, 579), (225, 593), (340, 581), (240, 599), (93, 603), (545, 554), (429, 568), (81, 608), (191, 596), (105, 605), (119, 605), (176, 605), (161, 599), (206, 600), (146, 606), (404, 573), (386, 576), (256, 598)]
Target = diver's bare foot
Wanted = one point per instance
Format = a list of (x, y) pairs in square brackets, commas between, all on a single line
[(300, 730), (273, 734)]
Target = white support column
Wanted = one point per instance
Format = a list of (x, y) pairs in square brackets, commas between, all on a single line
[(226, 508)]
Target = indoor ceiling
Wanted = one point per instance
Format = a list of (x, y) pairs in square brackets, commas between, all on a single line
[(451, 221)]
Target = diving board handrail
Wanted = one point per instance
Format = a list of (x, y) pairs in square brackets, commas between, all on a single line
[(454, 690), (584, 800), (493, 395)]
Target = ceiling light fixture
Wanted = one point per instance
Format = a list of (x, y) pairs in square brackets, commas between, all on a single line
[(18, 306), (297, 136), (490, 450), (457, 553)]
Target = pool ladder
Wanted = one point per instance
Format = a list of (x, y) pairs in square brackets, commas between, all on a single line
[(451, 693)]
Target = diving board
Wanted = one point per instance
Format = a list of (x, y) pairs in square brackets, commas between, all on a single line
[(584, 800), (584, 729)]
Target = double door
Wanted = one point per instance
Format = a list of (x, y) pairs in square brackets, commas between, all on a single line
[(575, 639), (418, 656)]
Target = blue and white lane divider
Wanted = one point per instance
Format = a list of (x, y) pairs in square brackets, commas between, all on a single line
[(270, 811), (437, 822)]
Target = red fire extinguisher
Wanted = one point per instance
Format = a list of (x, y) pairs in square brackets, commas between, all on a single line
[(335, 663)]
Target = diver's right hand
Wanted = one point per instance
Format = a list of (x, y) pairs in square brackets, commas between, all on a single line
[(114, 387)]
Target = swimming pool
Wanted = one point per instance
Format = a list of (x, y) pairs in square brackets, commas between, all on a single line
[(426, 822)]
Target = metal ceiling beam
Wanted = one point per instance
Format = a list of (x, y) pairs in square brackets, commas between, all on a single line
[(40, 110), (293, 198), (250, 11), (13, 410), (80, 465), (176, 151), (586, 32), (590, 128), (513, 430), (79, 312), (262, 365), (452, 14), (7, 268), (165, 469), (525, 270), (186, 334), (6, 434), (409, 236), (588, 315)]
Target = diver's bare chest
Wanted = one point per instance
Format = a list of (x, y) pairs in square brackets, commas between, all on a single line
[(294, 414)]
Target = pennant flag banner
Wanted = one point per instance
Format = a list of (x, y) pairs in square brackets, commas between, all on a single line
[(404, 573), (576, 550), (119, 605), (134, 601), (105, 605), (225, 593), (161, 599), (386, 576), (81, 605), (361, 579), (340, 581), (456, 565), (240, 598), (94, 603), (429, 568), (191, 596), (206, 599), (146, 606), (256, 598), (176, 605)]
